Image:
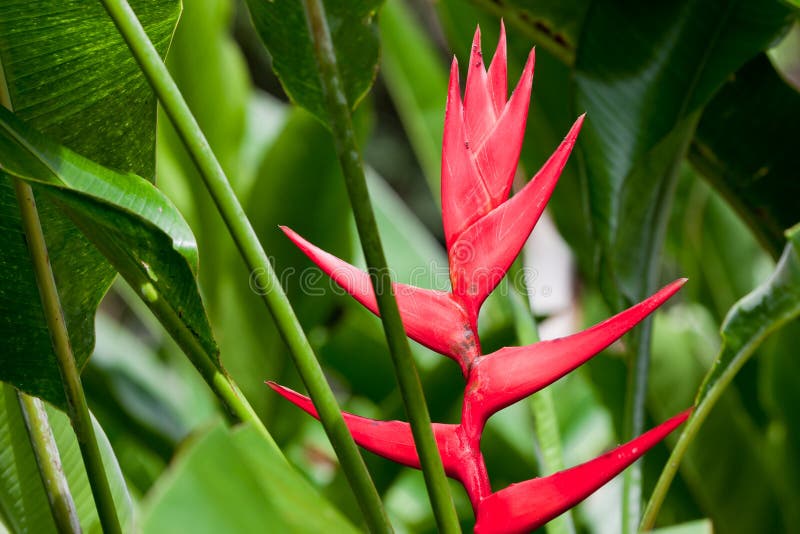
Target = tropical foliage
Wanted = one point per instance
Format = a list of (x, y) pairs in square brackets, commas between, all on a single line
[(179, 180)]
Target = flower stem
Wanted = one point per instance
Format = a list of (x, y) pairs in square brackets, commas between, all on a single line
[(70, 378), (220, 383), (541, 403), (48, 461), (639, 368), (633, 424), (353, 170), (256, 259)]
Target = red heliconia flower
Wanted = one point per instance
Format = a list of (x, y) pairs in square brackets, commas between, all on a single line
[(484, 232)]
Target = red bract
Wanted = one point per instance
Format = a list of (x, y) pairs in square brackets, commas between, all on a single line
[(484, 232)]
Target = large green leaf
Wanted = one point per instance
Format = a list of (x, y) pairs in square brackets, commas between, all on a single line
[(69, 73), (130, 221), (230, 481), (744, 147), (643, 73), (282, 26), (23, 502)]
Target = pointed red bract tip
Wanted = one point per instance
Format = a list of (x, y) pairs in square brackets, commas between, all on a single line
[(432, 318), (492, 242), (498, 75), (475, 52), (497, 156), (504, 377), (454, 87), (479, 108), (530, 504), (464, 196), (391, 439)]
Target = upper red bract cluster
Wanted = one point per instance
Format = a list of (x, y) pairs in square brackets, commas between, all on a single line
[(484, 232)]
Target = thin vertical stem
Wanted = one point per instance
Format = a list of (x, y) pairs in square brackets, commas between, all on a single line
[(255, 257), (639, 368), (76, 400), (353, 170), (633, 423), (48, 461), (541, 403)]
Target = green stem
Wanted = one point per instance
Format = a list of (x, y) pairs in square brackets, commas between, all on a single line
[(222, 385), (641, 338), (353, 169), (633, 424), (670, 470), (70, 378), (49, 463), (256, 259), (542, 405)]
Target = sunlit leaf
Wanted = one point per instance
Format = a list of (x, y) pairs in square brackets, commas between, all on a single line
[(69, 73), (130, 221)]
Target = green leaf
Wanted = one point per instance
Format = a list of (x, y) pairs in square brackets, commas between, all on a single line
[(754, 317), (744, 147), (229, 481), (23, 502), (68, 72), (130, 221), (282, 26), (643, 74)]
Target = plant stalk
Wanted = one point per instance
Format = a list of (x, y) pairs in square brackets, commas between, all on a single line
[(220, 383), (70, 377), (641, 341), (633, 423), (542, 405), (355, 179), (48, 460), (255, 257)]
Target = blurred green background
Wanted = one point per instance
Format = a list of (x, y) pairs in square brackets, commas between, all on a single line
[(686, 167)]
